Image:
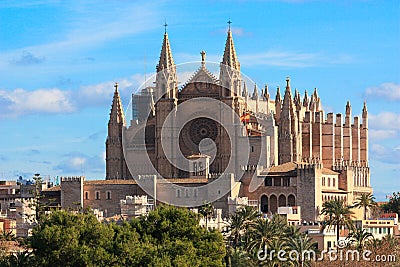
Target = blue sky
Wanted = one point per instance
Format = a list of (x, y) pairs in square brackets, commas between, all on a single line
[(59, 60)]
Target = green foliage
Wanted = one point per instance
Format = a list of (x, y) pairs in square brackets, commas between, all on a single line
[(365, 201), (338, 214), (393, 205), (168, 236)]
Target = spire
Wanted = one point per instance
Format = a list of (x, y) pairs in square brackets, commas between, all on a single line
[(230, 58), (266, 93), (348, 109), (255, 92), (287, 99), (166, 60), (297, 99), (287, 84), (278, 97), (245, 92), (306, 100), (364, 110), (278, 105), (117, 112)]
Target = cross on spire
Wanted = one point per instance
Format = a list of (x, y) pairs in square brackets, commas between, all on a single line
[(229, 24), (165, 26)]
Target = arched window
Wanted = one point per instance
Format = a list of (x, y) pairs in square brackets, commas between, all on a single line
[(264, 204), (273, 203), (291, 201), (282, 201)]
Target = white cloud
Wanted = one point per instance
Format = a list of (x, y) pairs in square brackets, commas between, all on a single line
[(388, 91), (76, 163), (385, 154), (20, 101), (385, 121), (382, 134)]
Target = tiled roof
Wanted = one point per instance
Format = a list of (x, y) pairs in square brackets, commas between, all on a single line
[(54, 188), (329, 171)]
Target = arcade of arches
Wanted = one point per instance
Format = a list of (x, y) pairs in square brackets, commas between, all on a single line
[(272, 202)]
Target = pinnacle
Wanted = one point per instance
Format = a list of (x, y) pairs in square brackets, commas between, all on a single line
[(117, 112), (230, 58), (166, 59)]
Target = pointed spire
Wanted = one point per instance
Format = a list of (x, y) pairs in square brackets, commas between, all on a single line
[(297, 99), (287, 84), (117, 112), (348, 109), (230, 58), (306, 100), (166, 60), (245, 92), (365, 111), (278, 97), (266, 93), (315, 93), (278, 105), (255, 92)]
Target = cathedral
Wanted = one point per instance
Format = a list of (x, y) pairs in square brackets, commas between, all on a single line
[(281, 151)]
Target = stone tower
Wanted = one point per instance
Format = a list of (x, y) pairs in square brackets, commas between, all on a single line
[(288, 133), (230, 69), (166, 93), (116, 167)]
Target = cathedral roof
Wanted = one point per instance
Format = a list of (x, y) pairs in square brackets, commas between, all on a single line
[(289, 167), (166, 60), (230, 58)]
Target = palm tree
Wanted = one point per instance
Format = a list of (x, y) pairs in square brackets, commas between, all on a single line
[(305, 248), (206, 211), (239, 223), (365, 201), (262, 233), (338, 215), (359, 237)]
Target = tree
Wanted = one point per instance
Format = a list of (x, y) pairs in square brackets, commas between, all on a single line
[(239, 223), (365, 201), (302, 243), (338, 214), (359, 237), (263, 232), (393, 205), (177, 236), (206, 210), (72, 239)]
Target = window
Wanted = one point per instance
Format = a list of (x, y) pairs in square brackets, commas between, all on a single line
[(268, 181), (86, 195), (97, 195), (329, 181), (333, 182), (323, 181), (186, 192), (108, 195), (329, 244), (195, 168), (178, 193), (252, 148), (277, 181), (286, 181)]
